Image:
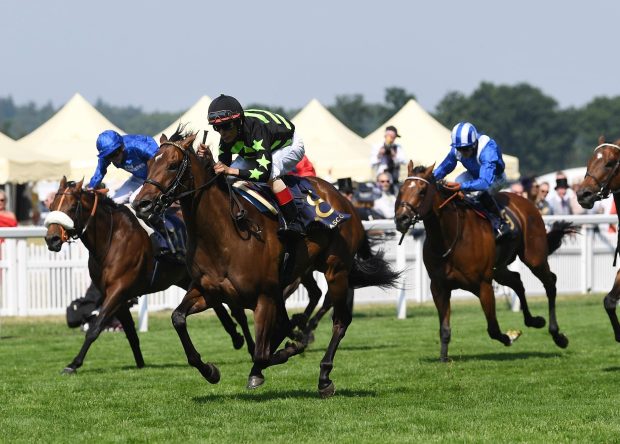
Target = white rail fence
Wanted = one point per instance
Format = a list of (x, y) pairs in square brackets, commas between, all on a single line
[(35, 281)]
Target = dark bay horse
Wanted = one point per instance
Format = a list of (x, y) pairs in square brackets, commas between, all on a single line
[(121, 262), (239, 261), (601, 179), (460, 252)]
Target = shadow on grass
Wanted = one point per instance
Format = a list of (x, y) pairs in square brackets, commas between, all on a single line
[(312, 348), (612, 369), (498, 357), (128, 367), (260, 396)]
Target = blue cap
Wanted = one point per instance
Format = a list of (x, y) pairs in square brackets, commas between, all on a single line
[(464, 134), (107, 142)]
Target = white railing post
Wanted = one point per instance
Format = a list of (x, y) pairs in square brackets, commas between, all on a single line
[(23, 297), (586, 250), (143, 313), (401, 297), (12, 298)]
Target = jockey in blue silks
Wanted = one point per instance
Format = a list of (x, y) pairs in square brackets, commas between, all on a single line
[(131, 153), (482, 158)]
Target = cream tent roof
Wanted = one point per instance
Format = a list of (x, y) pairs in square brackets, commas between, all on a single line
[(70, 135), (334, 150), (425, 140), (196, 120), (19, 167)]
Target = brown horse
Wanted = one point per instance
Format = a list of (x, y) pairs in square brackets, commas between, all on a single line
[(121, 263), (460, 252), (601, 179), (239, 261)]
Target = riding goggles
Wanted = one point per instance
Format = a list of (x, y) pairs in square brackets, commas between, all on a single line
[(222, 116)]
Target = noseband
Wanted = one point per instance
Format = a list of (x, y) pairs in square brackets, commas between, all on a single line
[(604, 190), (76, 232)]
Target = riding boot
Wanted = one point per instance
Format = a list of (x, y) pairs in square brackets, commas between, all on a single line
[(293, 228), (500, 226), (177, 247), (163, 239)]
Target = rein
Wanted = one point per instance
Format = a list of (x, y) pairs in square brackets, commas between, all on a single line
[(604, 190), (64, 233), (416, 216)]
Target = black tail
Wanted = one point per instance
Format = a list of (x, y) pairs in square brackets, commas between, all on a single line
[(558, 230), (370, 269)]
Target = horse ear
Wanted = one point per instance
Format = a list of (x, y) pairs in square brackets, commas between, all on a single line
[(410, 168), (601, 139), (79, 184), (429, 170), (163, 139), (63, 182), (189, 141)]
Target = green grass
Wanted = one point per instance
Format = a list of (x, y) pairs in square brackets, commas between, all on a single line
[(390, 386)]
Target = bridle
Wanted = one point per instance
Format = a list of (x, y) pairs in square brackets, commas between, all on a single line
[(71, 234), (604, 189), (416, 216)]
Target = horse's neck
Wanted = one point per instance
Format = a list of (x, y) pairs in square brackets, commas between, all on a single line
[(442, 225), (98, 231)]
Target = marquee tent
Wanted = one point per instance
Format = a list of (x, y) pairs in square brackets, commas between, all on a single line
[(335, 150), (70, 135), (425, 140), (195, 120), (17, 166)]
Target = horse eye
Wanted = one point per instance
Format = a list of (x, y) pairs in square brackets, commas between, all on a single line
[(174, 166), (611, 164)]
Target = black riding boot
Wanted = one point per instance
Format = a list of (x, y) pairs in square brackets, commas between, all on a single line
[(293, 228), (500, 226)]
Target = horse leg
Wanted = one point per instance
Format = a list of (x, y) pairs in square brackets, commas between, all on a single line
[(610, 302), (300, 320), (129, 327), (109, 306), (337, 291), (229, 325), (193, 302), (308, 335), (441, 297), (512, 279), (487, 300), (239, 314), (265, 319), (548, 279)]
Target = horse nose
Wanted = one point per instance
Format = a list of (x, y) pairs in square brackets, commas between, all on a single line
[(54, 242), (402, 222), (142, 207), (585, 198)]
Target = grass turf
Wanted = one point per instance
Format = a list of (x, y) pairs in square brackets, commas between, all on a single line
[(390, 386)]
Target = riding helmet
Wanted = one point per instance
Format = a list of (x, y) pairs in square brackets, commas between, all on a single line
[(224, 108), (464, 134), (107, 142)]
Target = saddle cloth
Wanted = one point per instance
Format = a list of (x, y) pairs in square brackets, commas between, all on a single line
[(312, 209)]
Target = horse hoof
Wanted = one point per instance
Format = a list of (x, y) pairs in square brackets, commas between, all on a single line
[(255, 382), (238, 341), (214, 374), (328, 391), (513, 335), (560, 340), (68, 371), (536, 322)]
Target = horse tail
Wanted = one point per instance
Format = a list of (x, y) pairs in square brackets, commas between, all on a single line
[(559, 229), (370, 269)]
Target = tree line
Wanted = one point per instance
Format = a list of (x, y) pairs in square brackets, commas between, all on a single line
[(524, 121)]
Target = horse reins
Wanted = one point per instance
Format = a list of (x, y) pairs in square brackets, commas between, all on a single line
[(416, 216), (604, 190), (64, 234)]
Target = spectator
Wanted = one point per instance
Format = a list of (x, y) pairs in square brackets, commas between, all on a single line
[(7, 218), (560, 203), (345, 186), (541, 199), (389, 156), (364, 198), (385, 203), (517, 188), (530, 188)]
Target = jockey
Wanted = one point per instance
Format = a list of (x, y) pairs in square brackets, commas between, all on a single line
[(131, 153), (482, 158), (267, 146)]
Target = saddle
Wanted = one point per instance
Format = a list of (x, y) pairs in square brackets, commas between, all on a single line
[(505, 213), (313, 211)]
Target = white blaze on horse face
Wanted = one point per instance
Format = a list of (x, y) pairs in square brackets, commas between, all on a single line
[(599, 156), (412, 184), (159, 156)]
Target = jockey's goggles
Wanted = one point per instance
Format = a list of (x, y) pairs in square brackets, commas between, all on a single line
[(222, 116)]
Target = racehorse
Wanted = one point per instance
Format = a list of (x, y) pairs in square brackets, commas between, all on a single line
[(121, 262), (460, 251), (240, 261), (600, 180)]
